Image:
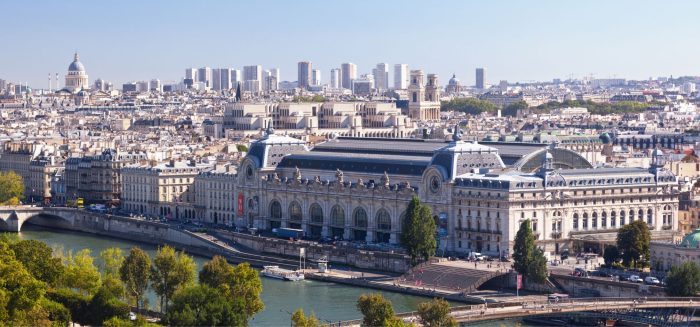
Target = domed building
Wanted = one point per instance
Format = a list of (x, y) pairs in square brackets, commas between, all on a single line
[(76, 78), (666, 255), (453, 86)]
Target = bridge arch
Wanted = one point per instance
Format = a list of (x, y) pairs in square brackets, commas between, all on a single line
[(46, 220)]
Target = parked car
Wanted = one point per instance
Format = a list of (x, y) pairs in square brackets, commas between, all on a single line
[(635, 279), (651, 281), (580, 272)]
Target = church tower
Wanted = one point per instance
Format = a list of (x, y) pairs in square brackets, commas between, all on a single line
[(424, 100)]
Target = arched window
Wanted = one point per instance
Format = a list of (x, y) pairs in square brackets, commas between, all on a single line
[(383, 220), (585, 220), (575, 220), (594, 224), (316, 214), (359, 218), (613, 218), (631, 219), (640, 215), (604, 219), (275, 210), (622, 218), (337, 216), (295, 211), (650, 216)]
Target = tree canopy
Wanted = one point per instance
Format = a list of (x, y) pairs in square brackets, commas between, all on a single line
[(240, 282), (528, 260), (436, 313), (11, 188), (170, 272), (418, 232), (81, 273), (299, 319), (472, 106), (598, 108), (135, 272), (375, 309), (683, 280), (633, 241)]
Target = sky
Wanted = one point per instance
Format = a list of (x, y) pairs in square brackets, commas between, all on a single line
[(130, 40)]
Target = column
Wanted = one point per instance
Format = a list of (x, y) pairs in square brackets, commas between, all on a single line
[(370, 235)]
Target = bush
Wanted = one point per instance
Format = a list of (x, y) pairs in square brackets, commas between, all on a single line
[(76, 303), (58, 313)]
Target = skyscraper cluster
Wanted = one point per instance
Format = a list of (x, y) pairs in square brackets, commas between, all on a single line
[(252, 78)]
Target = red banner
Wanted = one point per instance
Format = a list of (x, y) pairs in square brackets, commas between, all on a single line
[(241, 202), (519, 280)]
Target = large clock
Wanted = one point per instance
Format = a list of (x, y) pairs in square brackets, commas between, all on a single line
[(434, 184)]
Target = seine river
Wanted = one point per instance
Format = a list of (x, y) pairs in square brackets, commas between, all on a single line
[(330, 302)]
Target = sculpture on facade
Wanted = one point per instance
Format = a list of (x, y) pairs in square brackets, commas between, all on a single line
[(297, 174), (385, 180), (339, 175)]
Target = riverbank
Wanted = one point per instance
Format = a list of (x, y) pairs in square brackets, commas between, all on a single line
[(330, 301)]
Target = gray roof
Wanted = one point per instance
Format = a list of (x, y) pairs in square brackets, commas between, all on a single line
[(416, 147), (378, 163)]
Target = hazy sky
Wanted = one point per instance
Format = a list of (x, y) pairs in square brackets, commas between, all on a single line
[(516, 40)]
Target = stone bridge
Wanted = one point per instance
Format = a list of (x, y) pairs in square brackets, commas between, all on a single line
[(13, 217)]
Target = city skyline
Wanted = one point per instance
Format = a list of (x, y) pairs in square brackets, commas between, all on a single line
[(554, 43)]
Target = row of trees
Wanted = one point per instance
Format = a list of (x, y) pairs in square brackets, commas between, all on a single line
[(474, 106), (597, 108), (379, 311), (40, 288), (11, 188)]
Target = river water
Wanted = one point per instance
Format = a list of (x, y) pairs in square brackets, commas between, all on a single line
[(330, 302)]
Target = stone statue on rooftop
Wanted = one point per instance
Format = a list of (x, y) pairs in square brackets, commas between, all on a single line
[(385, 180), (339, 175), (297, 174)]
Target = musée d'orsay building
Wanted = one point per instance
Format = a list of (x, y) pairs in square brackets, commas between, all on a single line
[(356, 189)]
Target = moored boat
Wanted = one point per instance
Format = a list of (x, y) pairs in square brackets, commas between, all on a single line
[(280, 273)]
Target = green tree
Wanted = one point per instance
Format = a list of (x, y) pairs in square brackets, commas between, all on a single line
[(81, 273), (75, 302), (103, 306), (683, 280), (135, 273), (240, 282), (512, 109), (537, 269), (299, 319), (611, 255), (38, 259), (202, 305), (58, 314), (523, 248), (241, 148), (418, 232), (472, 106), (20, 292), (633, 241), (11, 188), (171, 271), (436, 313), (112, 259), (375, 309)]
